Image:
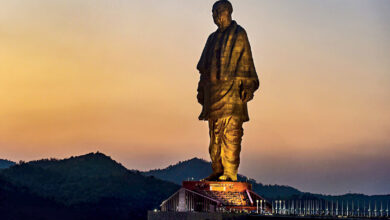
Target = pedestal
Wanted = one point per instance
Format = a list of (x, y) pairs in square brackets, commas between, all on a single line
[(216, 196)]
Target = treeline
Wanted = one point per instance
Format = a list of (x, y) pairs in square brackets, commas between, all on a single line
[(89, 186)]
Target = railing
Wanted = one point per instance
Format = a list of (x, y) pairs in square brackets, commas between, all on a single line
[(335, 208)]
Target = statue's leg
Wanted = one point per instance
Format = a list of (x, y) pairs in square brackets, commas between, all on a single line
[(215, 132), (231, 148)]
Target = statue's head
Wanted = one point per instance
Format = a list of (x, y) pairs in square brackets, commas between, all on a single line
[(222, 13)]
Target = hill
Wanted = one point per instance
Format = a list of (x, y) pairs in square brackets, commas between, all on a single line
[(6, 163), (194, 168), (92, 184), (19, 203)]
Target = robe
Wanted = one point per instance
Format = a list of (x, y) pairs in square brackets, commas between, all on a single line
[(226, 69)]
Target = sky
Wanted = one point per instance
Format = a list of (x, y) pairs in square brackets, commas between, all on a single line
[(120, 77)]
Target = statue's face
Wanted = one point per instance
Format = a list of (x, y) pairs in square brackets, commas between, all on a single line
[(221, 16)]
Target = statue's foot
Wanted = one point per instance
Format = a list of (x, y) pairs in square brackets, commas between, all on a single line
[(226, 177), (212, 177)]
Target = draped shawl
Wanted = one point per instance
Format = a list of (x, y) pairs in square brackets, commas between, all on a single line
[(226, 67)]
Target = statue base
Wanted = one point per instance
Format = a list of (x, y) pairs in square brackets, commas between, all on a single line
[(215, 196)]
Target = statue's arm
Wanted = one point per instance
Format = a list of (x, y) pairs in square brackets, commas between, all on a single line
[(203, 70), (250, 83), (201, 85)]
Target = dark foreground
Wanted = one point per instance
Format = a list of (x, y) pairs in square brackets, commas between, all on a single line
[(228, 216)]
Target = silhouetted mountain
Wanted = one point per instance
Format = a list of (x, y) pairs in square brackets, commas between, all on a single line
[(19, 203), (93, 185), (194, 168), (5, 163), (198, 168)]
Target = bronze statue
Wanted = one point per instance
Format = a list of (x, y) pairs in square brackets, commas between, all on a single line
[(228, 80)]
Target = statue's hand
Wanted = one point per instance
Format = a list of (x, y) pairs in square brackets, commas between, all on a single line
[(246, 95)]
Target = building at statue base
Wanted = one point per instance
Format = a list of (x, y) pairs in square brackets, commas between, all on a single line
[(215, 196)]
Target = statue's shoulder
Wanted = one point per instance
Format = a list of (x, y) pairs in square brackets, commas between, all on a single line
[(211, 36), (240, 31)]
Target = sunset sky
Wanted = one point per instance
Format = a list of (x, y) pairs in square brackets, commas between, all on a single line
[(120, 77)]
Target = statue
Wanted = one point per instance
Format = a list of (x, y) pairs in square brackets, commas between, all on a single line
[(228, 80)]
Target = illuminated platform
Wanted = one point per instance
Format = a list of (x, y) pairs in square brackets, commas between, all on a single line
[(215, 196)]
